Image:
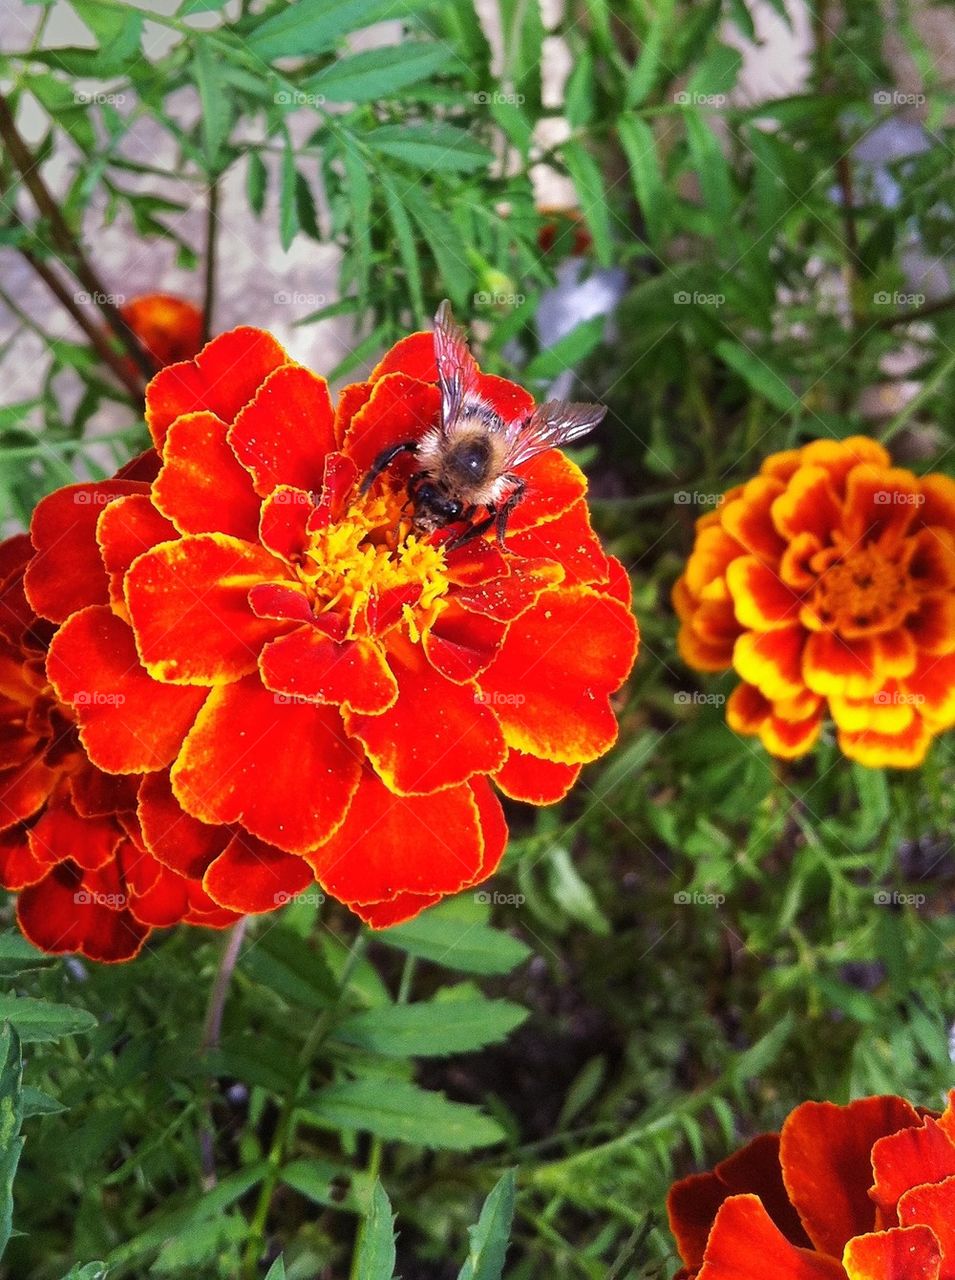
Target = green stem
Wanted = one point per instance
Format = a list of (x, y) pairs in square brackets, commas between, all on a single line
[(926, 391), (285, 1127), (211, 1031)]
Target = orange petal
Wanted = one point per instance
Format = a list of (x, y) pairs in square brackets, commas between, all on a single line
[(23, 790), (772, 661), (933, 1206), (553, 485), (932, 686), (283, 770), (508, 595), (881, 504), (748, 519), (222, 378), (809, 505), (932, 626), (252, 877), (692, 1206), (125, 529), (568, 539), (189, 605), (932, 566), (68, 911), (400, 408), (307, 665), (760, 599), (789, 739), (61, 833), (174, 837), (282, 437), (201, 487), (745, 1245), (847, 668), (908, 1159), (939, 505), (413, 356), (18, 864), (129, 723), (535, 781), (461, 645), (550, 684), (911, 1253), (839, 457), (903, 750), (825, 1156), (284, 521), (747, 709)]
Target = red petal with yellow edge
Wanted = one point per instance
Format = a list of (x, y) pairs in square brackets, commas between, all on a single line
[(789, 739), (903, 750), (947, 1118), (772, 661), (282, 437), (569, 540), (129, 723), (493, 827), (809, 505), (938, 507), (350, 673), (844, 667), (618, 583), (18, 865), (144, 467), (461, 644), (282, 601), (749, 521), (895, 652), (60, 834), (283, 522), (553, 485), (224, 376), (66, 573), (781, 465), (932, 627), (339, 477), (127, 528), (713, 551), (251, 877), (825, 1151), (505, 397), (692, 1206), (745, 1245), (400, 408), (413, 355), (760, 599), (436, 735), (934, 1207), (350, 400), (795, 566), (932, 685), (397, 910), (188, 603), (880, 504), (524, 777), (910, 1253), (550, 684), (201, 487), (507, 597), (23, 790), (174, 837), (756, 1168), (157, 896), (700, 655), (747, 709), (839, 457), (908, 1159), (236, 765), (932, 566), (392, 844), (64, 913)]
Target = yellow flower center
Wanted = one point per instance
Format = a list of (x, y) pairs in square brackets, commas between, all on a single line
[(863, 594), (352, 566)]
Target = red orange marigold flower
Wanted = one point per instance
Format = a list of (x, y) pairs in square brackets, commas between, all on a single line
[(308, 690), (828, 584), (70, 842), (169, 328), (861, 1192)]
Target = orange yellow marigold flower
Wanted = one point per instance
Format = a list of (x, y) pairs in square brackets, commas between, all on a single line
[(168, 328), (860, 1192), (70, 841), (309, 689), (828, 584)]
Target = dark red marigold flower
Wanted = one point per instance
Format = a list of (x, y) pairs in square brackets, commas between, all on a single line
[(861, 1192), (168, 328), (310, 690), (70, 843)]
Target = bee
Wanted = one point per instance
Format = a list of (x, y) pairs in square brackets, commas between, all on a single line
[(469, 464)]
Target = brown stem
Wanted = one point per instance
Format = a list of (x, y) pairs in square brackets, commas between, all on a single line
[(918, 313), (209, 290), (68, 245), (211, 1030)]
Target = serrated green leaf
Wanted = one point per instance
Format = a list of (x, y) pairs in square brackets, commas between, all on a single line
[(399, 1111), (489, 1237), (566, 351), (470, 946), (89, 1271), (15, 952), (281, 962), (640, 148), (712, 169), (378, 73), (358, 192), (376, 1257), (431, 1030), (117, 31), (38, 1103), (407, 248), (11, 1119), (42, 1020), (215, 119), (444, 242), (310, 28), (438, 147), (305, 207)]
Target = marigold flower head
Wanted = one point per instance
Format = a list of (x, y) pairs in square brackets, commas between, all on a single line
[(828, 583), (168, 328), (70, 842), (308, 689), (860, 1192)]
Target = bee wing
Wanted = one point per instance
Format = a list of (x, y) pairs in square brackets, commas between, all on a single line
[(552, 424), (457, 368)]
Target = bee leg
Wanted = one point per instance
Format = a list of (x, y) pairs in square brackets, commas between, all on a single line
[(384, 460), (413, 482), (468, 535), (503, 515)]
